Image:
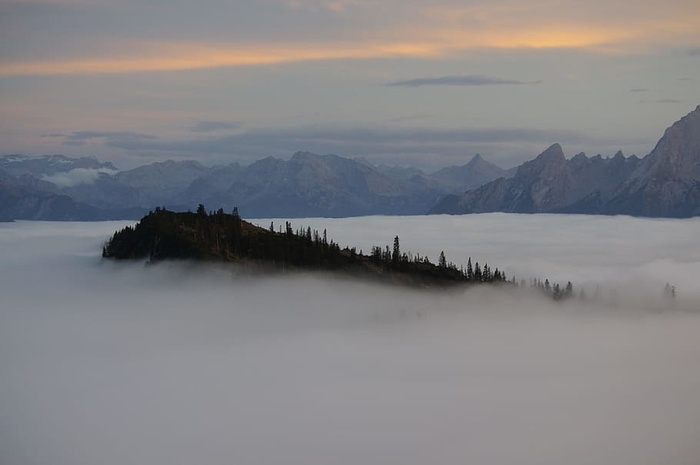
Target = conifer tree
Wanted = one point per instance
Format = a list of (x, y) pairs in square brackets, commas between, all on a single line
[(396, 253)]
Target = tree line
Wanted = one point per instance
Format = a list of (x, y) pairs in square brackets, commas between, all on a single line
[(220, 236)]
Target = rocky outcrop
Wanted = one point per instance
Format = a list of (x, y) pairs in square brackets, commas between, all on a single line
[(667, 181), (664, 183), (549, 183)]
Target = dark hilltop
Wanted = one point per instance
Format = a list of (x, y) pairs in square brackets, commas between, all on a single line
[(222, 237)]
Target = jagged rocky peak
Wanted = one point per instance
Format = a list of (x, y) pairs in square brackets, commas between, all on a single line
[(687, 127), (478, 162), (685, 130), (549, 160), (677, 154), (476, 159), (554, 152)]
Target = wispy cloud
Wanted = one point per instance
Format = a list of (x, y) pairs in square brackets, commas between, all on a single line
[(694, 52), (471, 80), (212, 126), (403, 119), (424, 147), (336, 6), (109, 137), (639, 89), (76, 176), (54, 134), (91, 37), (183, 56), (669, 100), (345, 139)]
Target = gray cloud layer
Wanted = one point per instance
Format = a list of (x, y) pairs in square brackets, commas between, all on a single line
[(472, 80), (179, 364), (212, 126), (399, 145), (110, 137)]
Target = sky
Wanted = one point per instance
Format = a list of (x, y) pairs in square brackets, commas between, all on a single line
[(398, 82), (117, 363)]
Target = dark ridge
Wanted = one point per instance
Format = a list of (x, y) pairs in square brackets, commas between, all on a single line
[(218, 236)]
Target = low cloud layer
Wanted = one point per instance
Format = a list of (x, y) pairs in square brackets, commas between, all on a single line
[(76, 177), (670, 100), (78, 138), (472, 80), (177, 363), (418, 146), (212, 126)]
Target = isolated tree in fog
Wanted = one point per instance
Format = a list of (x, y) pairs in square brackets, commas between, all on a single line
[(670, 291), (396, 253)]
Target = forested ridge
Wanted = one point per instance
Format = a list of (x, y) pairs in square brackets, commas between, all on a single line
[(219, 236)]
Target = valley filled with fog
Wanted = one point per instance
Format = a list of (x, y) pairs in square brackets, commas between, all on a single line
[(182, 363)]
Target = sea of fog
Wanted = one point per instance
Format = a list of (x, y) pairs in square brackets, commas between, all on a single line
[(178, 363)]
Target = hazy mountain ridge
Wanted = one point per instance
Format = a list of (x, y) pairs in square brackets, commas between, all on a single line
[(314, 185), (472, 175), (305, 185), (46, 165), (665, 183), (22, 199), (549, 183)]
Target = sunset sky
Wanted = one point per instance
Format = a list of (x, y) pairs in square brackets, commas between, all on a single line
[(400, 82)]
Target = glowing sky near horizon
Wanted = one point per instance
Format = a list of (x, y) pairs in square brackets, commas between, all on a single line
[(133, 82)]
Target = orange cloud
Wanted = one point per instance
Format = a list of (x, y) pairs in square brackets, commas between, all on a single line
[(426, 32), (174, 57)]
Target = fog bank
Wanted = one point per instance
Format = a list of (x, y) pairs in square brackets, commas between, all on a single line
[(178, 363)]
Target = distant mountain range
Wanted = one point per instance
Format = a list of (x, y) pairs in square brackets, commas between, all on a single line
[(55, 187), (664, 183)]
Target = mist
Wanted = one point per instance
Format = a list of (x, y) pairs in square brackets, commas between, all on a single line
[(181, 363)]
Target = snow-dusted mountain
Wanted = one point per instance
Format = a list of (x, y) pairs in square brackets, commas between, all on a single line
[(474, 174), (305, 185), (310, 185), (667, 181), (162, 181), (549, 183), (49, 165), (664, 183), (32, 199)]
